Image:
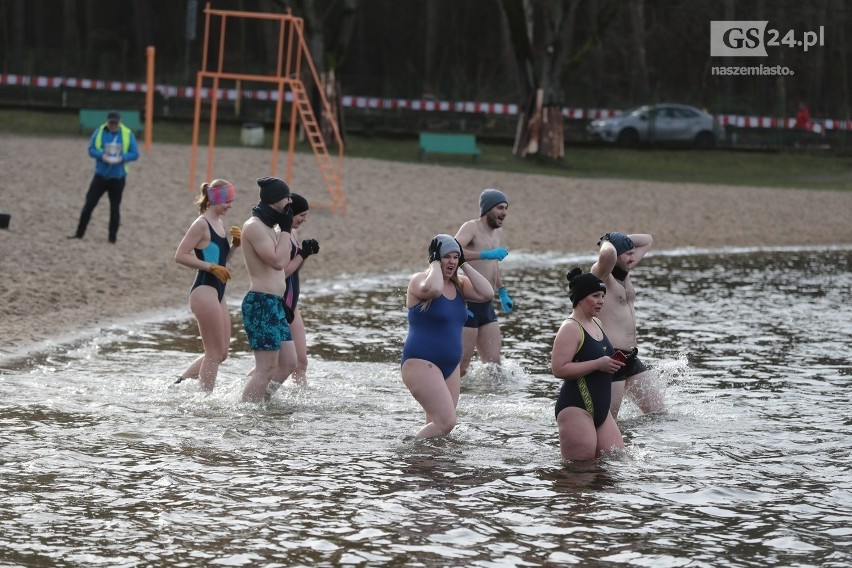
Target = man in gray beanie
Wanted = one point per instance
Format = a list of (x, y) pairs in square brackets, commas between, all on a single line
[(619, 254), (480, 241)]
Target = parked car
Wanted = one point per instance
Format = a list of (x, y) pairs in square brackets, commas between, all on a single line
[(667, 122)]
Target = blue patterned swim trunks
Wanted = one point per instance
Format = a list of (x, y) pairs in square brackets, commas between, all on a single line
[(265, 321)]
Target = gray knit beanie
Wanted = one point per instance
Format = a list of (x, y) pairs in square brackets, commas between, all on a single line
[(448, 244), (489, 198)]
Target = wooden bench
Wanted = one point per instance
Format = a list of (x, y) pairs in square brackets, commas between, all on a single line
[(433, 143), (91, 118)]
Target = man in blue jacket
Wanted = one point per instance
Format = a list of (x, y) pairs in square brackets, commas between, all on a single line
[(112, 145)]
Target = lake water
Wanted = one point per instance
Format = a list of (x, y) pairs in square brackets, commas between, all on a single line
[(105, 463)]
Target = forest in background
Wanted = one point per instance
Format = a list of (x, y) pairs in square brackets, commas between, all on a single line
[(605, 53)]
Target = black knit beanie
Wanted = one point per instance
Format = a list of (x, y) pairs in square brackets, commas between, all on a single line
[(272, 190), (582, 284)]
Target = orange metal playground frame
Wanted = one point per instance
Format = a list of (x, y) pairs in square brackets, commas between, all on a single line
[(292, 51)]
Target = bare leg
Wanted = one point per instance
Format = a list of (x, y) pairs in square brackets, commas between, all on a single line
[(435, 395), (609, 436), (265, 364), (214, 324), (286, 361), (642, 390), (578, 439), (453, 383), (297, 330), (468, 345), (489, 342), (617, 396), (192, 371)]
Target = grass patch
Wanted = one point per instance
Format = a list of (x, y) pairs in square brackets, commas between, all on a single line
[(725, 167)]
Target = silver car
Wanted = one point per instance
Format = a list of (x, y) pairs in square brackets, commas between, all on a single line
[(667, 122)]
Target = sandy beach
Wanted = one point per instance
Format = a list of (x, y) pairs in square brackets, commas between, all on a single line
[(52, 287)]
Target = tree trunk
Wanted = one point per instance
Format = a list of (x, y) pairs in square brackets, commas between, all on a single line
[(70, 38), (641, 83), (19, 27), (331, 89), (844, 73), (541, 129), (815, 90)]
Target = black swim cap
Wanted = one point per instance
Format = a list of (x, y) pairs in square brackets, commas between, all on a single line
[(620, 241)]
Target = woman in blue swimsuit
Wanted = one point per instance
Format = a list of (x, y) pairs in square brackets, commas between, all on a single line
[(436, 314), (205, 248), (581, 356)]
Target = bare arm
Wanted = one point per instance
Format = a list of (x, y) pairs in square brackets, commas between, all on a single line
[(607, 257), (465, 238), (185, 254), (296, 262), (642, 243), (425, 285), (271, 250), (565, 347), (474, 285)]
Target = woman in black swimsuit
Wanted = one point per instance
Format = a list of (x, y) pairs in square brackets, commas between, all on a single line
[(205, 248), (581, 356)]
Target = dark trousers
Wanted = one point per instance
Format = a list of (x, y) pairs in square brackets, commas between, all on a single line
[(113, 187)]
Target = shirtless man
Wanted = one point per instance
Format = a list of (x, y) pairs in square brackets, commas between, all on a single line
[(480, 241), (619, 254), (266, 253)]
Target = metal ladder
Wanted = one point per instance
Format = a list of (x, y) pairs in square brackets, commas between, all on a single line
[(330, 172)]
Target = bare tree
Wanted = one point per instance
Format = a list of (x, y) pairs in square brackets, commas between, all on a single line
[(641, 87), (541, 33), (70, 37), (547, 44)]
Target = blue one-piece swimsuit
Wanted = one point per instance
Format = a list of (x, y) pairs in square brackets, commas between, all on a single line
[(217, 253), (435, 335)]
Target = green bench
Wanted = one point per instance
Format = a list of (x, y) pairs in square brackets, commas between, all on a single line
[(432, 143), (91, 118)]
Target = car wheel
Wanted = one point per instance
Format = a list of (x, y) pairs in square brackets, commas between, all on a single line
[(705, 140), (628, 137)]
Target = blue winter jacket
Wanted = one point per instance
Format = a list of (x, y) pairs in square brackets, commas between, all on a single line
[(100, 138)]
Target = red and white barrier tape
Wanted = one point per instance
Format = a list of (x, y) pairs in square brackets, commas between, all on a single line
[(169, 91)]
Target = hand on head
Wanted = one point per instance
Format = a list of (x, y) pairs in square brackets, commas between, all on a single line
[(434, 250), (620, 241), (462, 259)]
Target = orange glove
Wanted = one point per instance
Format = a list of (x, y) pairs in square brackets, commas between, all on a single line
[(236, 236), (219, 272)]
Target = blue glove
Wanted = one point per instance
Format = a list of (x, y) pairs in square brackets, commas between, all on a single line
[(505, 301), (494, 254)]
